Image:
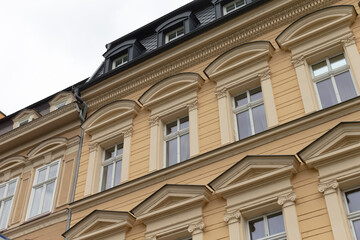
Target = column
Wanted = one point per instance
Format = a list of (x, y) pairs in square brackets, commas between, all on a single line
[(91, 172), (224, 116), (233, 221), (196, 229), (290, 217), (127, 133), (154, 163)]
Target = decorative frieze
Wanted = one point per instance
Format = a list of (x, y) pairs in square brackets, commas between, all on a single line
[(196, 228), (328, 187), (287, 200), (127, 132), (298, 61), (349, 40), (264, 75), (154, 121), (192, 105), (221, 93), (93, 146), (232, 216)]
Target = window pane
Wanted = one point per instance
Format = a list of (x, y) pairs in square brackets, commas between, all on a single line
[(120, 148), (356, 225), (171, 127), (36, 202), (2, 191), (109, 153), (230, 8), (241, 100), (48, 197), (345, 86), (243, 121), (337, 61), (255, 94), (184, 147), (171, 152), (257, 229), (11, 189), (180, 32), (184, 123), (42, 175), (326, 93), (117, 172), (259, 118), (5, 214), (53, 171), (276, 223), (240, 3), (107, 177), (320, 68), (353, 200)]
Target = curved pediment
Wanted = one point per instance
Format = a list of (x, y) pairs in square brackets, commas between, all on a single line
[(110, 113), (48, 146), (12, 163), (171, 197), (253, 170), (315, 24), (171, 87), (239, 57)]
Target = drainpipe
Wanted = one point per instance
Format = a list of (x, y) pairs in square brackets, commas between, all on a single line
[(82, 116)]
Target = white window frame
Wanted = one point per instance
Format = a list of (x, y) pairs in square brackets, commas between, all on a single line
[(60, 104), (176, 135), (44, 184), (2, 200), (225, 11), (111, 161), (167, 39), (278, 236), (249, 106), (122, 57), (352, 216), (331, 74)]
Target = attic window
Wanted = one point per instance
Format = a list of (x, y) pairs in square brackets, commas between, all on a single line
[(23, 122), (120, 60), (174, 34), (232, 6)]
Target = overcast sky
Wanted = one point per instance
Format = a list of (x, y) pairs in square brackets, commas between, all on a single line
[(48, 45)]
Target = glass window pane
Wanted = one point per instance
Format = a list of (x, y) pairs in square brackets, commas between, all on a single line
[(241, 100), (42, 175), (337, 61), (353, 200), (11, 189), (53, 171), (171, 152), (2, 191), (109, 153), (117, 172), (184, 123), (255, 94), (345, 86), (276, 223), (240, 3), (320, 68), (36, 202), (49, 191), (120, 148), (243, 122), (171, 127), (356, 225), (230, 8), (184, 147), (180, 32), (259, 118), (326, 93), (257, 229), (5, 214), (107, 177)]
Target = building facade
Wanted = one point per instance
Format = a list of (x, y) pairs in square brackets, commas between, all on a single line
[(220, 120)]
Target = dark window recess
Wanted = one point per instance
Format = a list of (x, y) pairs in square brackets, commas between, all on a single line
[(219, 6), (187, 20), (132, 48)]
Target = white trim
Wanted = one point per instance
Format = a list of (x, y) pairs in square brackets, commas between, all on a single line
[(111, 161), (176, 34), (352, 216), (225, 11), (123, 61), (16, 180), (264, 217)]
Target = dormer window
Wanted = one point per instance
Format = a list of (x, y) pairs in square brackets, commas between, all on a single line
[(24, 117), (174, 34), (120, 60), (232, 6), (61, 100), (223, 7), (23, 122)]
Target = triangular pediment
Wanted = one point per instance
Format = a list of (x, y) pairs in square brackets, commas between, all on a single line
[(171, 198), (25, 114), (62, 96), (255, 169), (239, 57), (99, 223), (345, 137), (316, 23)]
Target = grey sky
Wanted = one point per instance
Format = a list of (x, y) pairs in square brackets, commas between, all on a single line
[(48, 45)]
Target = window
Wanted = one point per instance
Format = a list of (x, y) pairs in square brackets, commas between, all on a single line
[(250, 113), (7, 192), (353, 205), (172, 35), (43, 189), (267, 227), (333, 81), (177, 141), (60, 104), (23, 122), (120, 61), (112, 162), (232, 6)]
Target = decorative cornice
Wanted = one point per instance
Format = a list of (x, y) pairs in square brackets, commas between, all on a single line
[(264, 75), (152, 237), (232, 216), (246, 34), (287, 199), (349, 40), (93, 146), (196, 228), (221, 93), (298, 61), (154, 121), (192, 105), (328, 187), (127, 132)]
